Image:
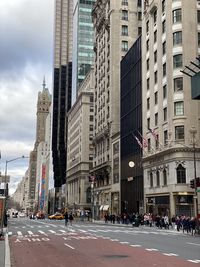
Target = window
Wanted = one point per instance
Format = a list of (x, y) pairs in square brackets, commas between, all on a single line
[(148, 64), (139, 30), (157, 141), (157, 178), (139, 3), (155, 36), (155, 56), (91, 127), (165, 114), (151, 179), (125, 2), (155, 77), (124, 30), (124, 15), (198, 39), (149, 144), (124, 46), (164, 69), (198, 16), (164, 177), (148, 123), (148, 103), (178, 108), (148, 84), (91, 118), (179, 132), (165, 139), (178, 84), (177, 38), (176, 15), (156, 98), (147, 45), (147, 26), (177, 61), (139, 15), (155, 16), (164, 91), (164, 26), (164, 48), (156, 119), (163, 6), (181, 174)]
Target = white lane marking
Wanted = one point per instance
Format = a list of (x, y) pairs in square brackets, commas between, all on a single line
[(51, 231), (63, 231), (135, 246), (194, 261), (114, 239), (195, 244), (83, 231), (41, 232), (124, 242), (151, 249), (170, 254), (30, 233), (23, 226), (69, 246), (9, 233), (19, 233)]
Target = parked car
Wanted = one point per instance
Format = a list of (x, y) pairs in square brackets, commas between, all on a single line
[(56, 216)]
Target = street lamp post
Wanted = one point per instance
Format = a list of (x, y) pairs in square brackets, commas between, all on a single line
[(193, 132), (6, 169)]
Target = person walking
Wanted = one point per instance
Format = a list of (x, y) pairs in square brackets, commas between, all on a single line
[(71, 218), (66, 218)]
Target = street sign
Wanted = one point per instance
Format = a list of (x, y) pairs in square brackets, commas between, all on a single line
[(130, 179)]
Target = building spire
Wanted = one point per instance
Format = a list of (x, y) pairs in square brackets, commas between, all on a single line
[(44, 83)]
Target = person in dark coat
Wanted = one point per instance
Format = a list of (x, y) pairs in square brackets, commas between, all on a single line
[(66, 218), (71, 218)]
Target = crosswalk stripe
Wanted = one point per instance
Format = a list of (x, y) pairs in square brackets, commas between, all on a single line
[(30, 233), (41, 232), (51, 231), (19, 233)]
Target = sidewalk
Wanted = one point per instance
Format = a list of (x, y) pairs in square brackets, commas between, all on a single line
[(4, 250)]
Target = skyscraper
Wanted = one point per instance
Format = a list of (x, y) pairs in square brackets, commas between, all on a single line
[(61, 86), (83, 42)]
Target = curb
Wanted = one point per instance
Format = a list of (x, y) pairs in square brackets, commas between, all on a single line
[(7, 251)]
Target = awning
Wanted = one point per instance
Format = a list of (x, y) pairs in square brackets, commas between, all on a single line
[(105, 207), (101, 207)]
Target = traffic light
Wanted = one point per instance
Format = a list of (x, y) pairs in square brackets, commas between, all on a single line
[(198, 182), (192, 183)]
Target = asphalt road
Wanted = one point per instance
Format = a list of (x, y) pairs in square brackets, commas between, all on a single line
[(50, 243)]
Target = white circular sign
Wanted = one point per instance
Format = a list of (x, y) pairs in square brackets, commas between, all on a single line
[(131, 164)]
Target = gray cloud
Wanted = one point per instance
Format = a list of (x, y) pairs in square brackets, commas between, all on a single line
[(26, 55)]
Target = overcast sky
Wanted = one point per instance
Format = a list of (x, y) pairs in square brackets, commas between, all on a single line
[(26, 55)]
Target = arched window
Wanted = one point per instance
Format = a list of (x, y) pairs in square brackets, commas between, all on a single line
[(164, 177), (181, 174), (151, 179), (157, 178)]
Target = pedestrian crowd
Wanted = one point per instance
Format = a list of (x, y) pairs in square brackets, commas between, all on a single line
[(185, 223)]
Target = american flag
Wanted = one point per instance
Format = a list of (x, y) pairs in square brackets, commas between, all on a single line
[(138, 141), (155, 135)]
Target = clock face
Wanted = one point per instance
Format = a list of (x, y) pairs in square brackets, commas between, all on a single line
[(131, 164)]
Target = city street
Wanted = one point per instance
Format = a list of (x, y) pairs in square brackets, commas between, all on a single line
[(50, 243)]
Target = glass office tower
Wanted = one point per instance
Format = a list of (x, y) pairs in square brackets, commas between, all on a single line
[(82, 42)]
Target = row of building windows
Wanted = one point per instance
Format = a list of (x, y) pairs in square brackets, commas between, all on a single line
[(180, 175), (179, 131), (177, 82)]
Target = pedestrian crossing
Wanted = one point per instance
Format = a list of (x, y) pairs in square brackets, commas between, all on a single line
[(47, 229)]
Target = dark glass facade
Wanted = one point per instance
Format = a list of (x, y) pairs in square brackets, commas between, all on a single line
[(61, 105), (131, 124)]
